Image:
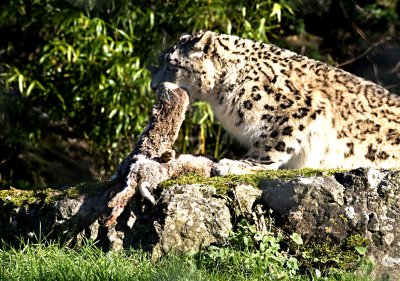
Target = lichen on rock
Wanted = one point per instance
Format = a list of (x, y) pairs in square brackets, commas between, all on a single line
[(333, 208), (194, 217)]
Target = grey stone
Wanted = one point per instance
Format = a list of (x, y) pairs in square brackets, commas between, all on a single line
[(361, 201), (193, 218), (244, 197)]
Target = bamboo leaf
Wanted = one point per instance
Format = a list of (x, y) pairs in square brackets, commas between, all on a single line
[(21, 83)]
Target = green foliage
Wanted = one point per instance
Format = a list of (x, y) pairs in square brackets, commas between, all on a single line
[(88, 75), (254, 253), (296, 238), (270, 254), (85, 65)]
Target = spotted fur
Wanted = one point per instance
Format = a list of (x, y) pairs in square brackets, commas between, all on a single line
[(289, 111)]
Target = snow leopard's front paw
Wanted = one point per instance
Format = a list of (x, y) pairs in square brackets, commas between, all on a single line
[(239, 167)]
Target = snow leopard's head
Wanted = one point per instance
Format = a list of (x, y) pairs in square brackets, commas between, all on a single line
[(195, 63)]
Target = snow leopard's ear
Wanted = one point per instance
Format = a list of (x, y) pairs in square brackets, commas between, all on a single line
[(206, 42)]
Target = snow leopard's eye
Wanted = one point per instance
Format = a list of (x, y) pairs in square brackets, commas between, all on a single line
[(171, 61)]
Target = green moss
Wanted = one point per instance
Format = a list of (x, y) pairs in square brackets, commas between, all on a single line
[(343, 218), (332, 255), (19, 197), (222, 184), (87, 188), (356, 240), (225, 183)]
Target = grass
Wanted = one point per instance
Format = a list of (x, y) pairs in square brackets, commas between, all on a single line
[(52, 261)]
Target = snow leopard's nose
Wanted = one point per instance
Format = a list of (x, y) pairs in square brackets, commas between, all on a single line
[(153, 69), (153, 86)]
